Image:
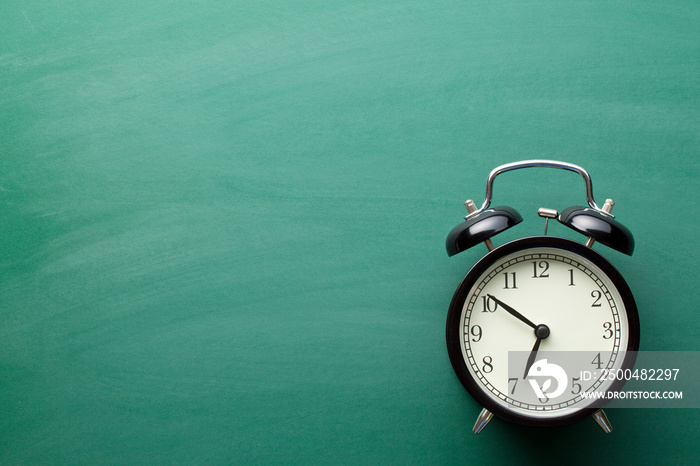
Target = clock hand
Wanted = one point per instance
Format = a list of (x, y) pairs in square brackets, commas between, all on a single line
[(513, 312), (531, 358), (541, 332)]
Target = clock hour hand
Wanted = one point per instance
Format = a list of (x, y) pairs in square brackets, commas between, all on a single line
[(513, 312)]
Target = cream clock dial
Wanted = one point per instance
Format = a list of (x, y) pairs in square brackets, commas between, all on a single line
[(539, 296), (534, 315)]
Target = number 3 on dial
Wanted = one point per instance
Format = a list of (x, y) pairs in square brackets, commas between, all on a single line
[(533, 295)]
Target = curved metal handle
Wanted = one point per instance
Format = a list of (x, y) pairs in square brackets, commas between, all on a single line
[(540, 163)]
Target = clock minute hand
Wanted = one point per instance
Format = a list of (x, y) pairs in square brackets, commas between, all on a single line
[(531, 358), (513, 312), (541, 333)]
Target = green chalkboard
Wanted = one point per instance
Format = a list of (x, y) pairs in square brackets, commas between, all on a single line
[(222, 224)]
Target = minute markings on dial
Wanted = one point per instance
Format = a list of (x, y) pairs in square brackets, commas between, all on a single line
[(563, 265)]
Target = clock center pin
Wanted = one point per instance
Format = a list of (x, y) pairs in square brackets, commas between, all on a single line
[(542, 331)]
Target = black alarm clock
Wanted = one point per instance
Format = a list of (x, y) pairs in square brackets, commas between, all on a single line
[(535, 298)]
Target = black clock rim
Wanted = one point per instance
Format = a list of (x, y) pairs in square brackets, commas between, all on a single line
[(454, 314)]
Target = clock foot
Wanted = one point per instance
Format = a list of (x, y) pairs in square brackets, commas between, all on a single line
[(483, 419), (602, 420)]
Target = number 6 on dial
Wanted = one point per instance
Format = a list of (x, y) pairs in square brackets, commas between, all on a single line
[(539, 295)]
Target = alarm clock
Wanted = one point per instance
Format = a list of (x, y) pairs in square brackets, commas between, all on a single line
[(538, 325)]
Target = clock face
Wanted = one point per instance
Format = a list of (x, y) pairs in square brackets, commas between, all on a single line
[(536, 328)]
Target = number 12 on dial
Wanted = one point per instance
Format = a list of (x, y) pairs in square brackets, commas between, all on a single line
[(537, 297)]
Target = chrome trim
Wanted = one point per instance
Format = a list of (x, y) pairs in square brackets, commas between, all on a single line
[(544, 164)]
